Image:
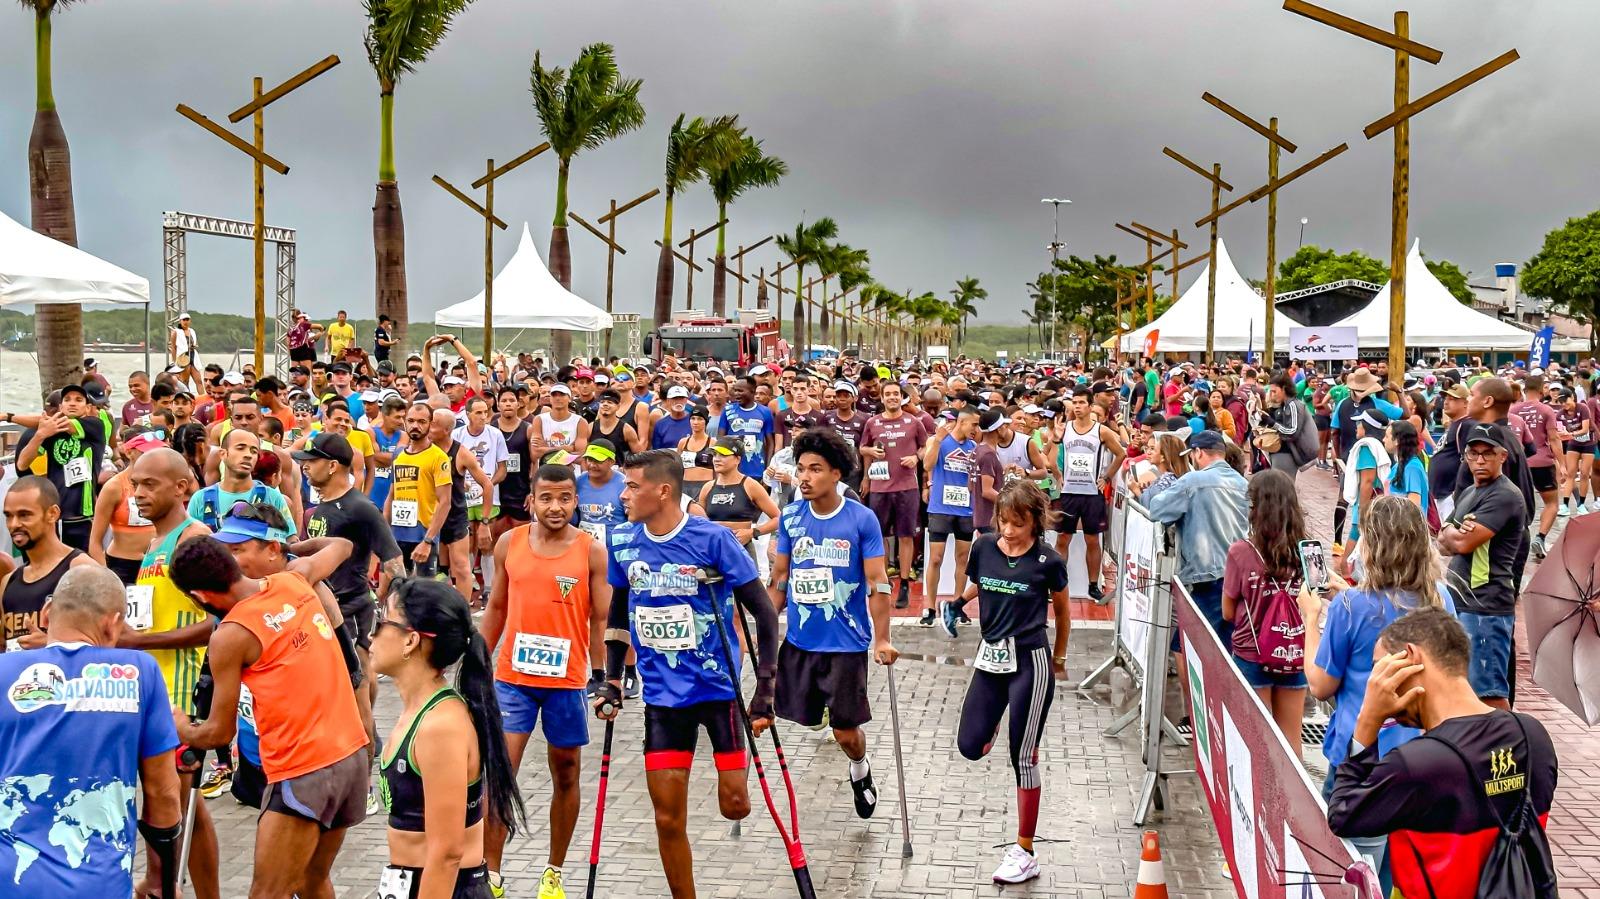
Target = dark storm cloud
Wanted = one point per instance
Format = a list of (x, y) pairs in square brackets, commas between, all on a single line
[(928, 129)]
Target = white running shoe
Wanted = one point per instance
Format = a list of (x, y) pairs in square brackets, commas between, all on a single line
[(1018, 866)]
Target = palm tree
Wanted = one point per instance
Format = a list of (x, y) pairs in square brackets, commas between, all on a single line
[(851, 278), (58, 327), (692, 148), (750, 168), (965, 298), (846, 263), (579, 110), (400, 35), (804, 247)]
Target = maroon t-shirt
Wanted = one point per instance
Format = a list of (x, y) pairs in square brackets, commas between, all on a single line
[(794, 422), (1541, 422), (133, 410), (898, 438), (988, 464)]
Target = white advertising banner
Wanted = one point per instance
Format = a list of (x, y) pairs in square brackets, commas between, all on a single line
[(1322, 343), (1138, 553)]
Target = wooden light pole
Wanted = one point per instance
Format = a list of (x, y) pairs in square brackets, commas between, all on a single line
[(1399, 119), (1150, 239), (612, 247), (257, 151), (1217, 186), (688, 300), (739, 257), (490, 222)]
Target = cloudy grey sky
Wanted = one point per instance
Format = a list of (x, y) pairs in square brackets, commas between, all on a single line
[(928, 128)]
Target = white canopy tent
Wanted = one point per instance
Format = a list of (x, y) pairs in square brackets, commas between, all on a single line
[(39, 269), (526, 295), (1241, 316), (1434, 317)]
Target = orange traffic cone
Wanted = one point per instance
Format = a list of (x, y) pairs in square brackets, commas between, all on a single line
[(1152, 882)]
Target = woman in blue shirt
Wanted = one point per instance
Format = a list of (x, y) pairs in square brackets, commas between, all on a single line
[(1408, 477), (1401, 572)]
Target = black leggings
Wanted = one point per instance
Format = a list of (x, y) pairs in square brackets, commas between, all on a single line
[(1028, 693)]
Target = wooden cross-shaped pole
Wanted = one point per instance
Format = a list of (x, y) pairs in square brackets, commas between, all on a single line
[(1217, 186), (1399, 119), (612, 247), (1150, 239), (257, 151), (689, 242), (490, 222), (739, 257)]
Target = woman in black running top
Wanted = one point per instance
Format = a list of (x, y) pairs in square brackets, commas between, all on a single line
[(735, 500), (446, 758), (695, 450), (1016, 578)]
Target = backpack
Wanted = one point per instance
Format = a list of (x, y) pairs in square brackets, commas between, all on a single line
[(211, 497), (1518, 863), (1302, 444), (1279, 637)]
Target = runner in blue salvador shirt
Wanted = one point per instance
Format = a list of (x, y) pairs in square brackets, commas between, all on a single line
[(751, 422), (689, 679), (950, 460), (829, 569)]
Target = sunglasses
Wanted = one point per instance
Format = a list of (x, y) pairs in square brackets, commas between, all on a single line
[(381, 623)]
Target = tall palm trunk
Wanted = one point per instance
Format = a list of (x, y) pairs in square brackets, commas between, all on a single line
[(823, 319), (561, 262), (800, 310), (389, 226), (665, 266), (58, 327), (719, 277)]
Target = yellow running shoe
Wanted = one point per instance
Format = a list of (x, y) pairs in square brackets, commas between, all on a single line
[(497, 886), (550, 885)]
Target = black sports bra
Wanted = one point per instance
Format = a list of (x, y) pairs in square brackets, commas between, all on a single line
[(402, 783)]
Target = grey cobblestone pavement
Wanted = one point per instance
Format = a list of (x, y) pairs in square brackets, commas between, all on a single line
[(959, 810)]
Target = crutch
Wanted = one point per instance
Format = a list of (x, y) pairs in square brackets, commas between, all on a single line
[(777, 745), (791, 844), (203, 687), (899, 764), (600, 808)]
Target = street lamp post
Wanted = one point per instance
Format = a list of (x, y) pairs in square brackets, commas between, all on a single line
[(1303, 222), (1055, 256)]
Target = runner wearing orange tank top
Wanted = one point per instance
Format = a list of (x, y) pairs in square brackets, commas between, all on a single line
[(550, 605), (276, 638)]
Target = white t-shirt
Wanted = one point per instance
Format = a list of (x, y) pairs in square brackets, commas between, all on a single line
[(490, 449)]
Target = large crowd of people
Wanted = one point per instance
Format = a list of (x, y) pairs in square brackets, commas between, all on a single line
[(570, 540)]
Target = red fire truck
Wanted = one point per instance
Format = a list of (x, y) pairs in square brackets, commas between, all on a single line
[(699, 336)]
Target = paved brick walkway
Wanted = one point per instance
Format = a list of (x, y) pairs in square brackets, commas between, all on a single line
[(959, 810)]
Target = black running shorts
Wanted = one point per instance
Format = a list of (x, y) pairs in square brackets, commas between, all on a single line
[(1082, 511), (809, 682), (671, 734)]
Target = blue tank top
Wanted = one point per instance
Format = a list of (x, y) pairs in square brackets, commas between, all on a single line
[(950, 483)]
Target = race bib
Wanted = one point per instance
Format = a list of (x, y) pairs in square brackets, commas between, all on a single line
[(474, 492), (140, 610), (1080, 465), (514, 463), (666, 628), (811, 586), (537, 655), (382, 474), (997, 658), (247, 706), (878, 471), (688, 458), (752, 445), (395, 883), (313, 496), (134, 518), (956, 495), (403, 513), (595, 529), (76, 471), (13, 645)]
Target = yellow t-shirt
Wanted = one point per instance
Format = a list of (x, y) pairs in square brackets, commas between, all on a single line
[(169, 609), (340, 336), (416, 480), (361, 442)]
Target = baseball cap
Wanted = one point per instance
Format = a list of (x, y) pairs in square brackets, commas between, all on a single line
[(74, 388), (338, 367), (992, 419), (233, 379), (700, 412), (844, 386), (1203, 440), (451, 381), (1486, 434), (1459, 391), (756, 370), (326, 445), (560, 388), (145, 441), (728, 445), (1031, 409), (184, 317), (371, 396), (96, 393), (601, 379), (677, 392), (584, 374)]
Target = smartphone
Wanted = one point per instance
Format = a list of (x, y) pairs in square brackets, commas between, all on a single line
[(1314, 564)]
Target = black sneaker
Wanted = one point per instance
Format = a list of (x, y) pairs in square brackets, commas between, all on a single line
[(866, 796), (962, 618), (928, 618), (902, 600), (1098, 595)]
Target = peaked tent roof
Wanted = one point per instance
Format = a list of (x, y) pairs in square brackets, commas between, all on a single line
[(35, 268), (1434, 317), (526, 295), (1240, 318)]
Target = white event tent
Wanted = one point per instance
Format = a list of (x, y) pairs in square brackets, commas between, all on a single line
[(1434, 317), (1241, 316), (526, 295), (37, 269)]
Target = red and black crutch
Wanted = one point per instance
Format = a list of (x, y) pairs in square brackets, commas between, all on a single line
[(600, 808)]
